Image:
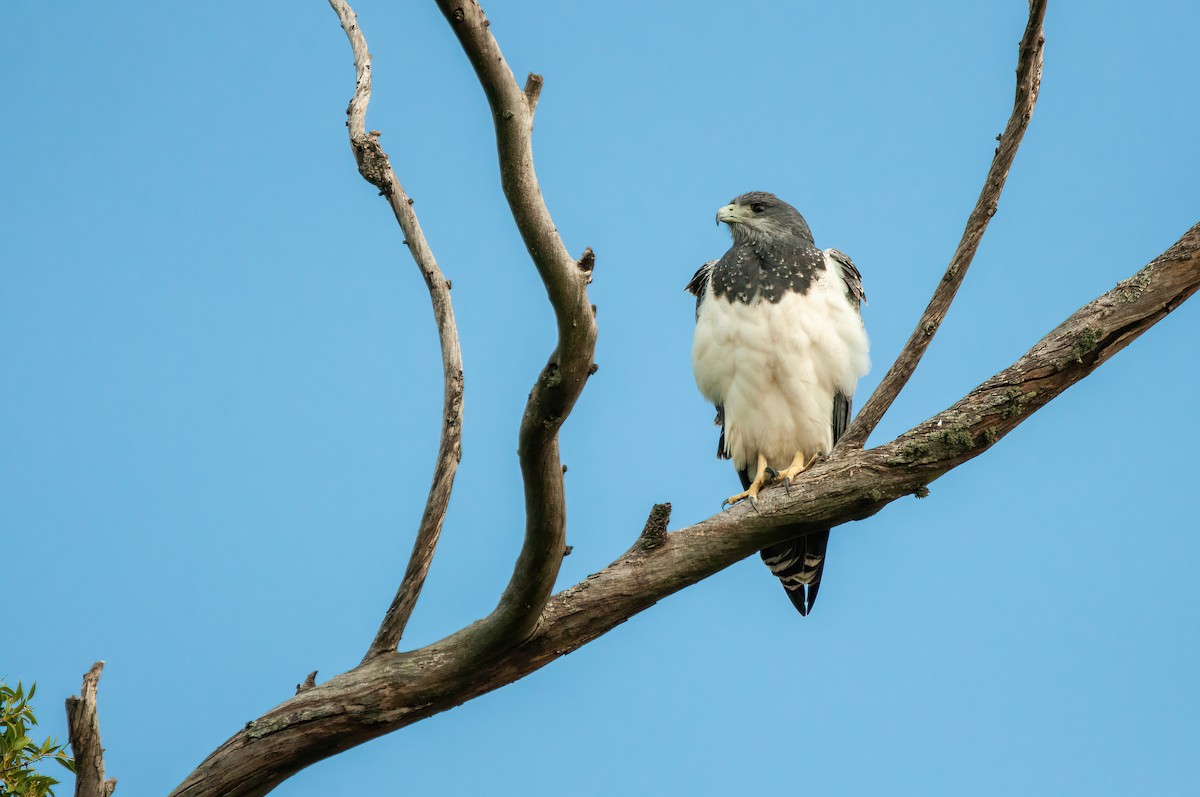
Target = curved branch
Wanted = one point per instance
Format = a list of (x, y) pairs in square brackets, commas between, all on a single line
[(1029, 80), (83, 731), (396, 690), (374, 166), (562, 379)]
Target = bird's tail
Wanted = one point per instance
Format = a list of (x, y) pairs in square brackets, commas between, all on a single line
[(798, 564)]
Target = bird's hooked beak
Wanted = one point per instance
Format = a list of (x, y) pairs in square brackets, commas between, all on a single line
[(730, 214)]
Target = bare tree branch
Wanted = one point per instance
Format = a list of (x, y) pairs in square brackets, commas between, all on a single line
[(563, 378), (374, 166), (1029, 80), (83, 730), (396, 690), (391, 690)]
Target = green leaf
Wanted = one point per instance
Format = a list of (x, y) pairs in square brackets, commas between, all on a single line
[(19, 752)]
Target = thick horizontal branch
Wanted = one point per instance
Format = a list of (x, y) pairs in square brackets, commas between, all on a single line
[(565, 374), (396, 690), (1029, 80), (375, 167), (83, 731)]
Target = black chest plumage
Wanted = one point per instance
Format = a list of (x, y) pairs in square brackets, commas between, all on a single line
[(750, 270)]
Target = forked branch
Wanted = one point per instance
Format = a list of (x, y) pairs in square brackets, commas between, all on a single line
[(391, 690), (374, 166), (1029, 80), (396, 690)]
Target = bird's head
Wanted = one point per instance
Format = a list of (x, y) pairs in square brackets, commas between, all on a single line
[(760, 216)]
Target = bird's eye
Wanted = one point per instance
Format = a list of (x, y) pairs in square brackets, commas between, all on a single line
[(758, 207)]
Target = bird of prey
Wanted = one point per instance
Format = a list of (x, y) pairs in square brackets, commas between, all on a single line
[(779, 347)]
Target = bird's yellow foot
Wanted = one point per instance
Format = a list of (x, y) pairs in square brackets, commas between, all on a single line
[(800, 463), (751, 492)]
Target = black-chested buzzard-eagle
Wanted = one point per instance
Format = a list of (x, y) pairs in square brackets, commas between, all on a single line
[(779, 347)]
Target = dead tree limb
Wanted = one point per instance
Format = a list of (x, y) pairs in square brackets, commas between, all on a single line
[(83, 731), (398, 689), (565, 374), (1029, 80), (392, 690), (374, 166)]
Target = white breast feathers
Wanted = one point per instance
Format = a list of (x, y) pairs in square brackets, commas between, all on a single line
[(775, 367)]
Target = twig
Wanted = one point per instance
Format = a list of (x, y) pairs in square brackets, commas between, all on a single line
[(1029, 78), (564, 376), (374, 166), (83, 731)]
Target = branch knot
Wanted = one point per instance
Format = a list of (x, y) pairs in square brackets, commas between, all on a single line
[(587, 262), (373, 162)]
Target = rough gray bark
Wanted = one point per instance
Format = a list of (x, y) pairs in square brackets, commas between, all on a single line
[(83, 731)]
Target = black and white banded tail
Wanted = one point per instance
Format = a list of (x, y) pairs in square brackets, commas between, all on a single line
[(798, 564)]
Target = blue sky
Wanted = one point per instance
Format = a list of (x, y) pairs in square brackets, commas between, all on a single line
[(222, 386)]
